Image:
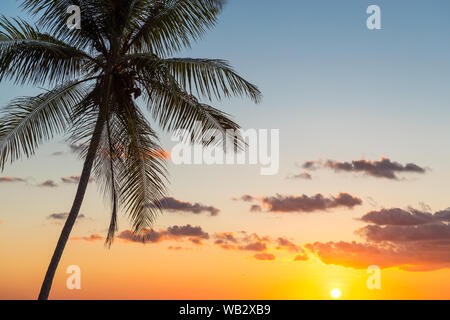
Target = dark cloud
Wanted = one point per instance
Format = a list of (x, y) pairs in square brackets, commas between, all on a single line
[(413, 256), (311, 165), (264, 256), (241, 242), (410, 239), (308, 204), (255, 208), (193, 234), (172, 204), (394, 233), (146, 236), (385, 168), (397, 216), (226, 236), (254, 246), (284, 243), (401, 217), (245, 198), (187, 231), (63, 216), (48, 184), (11, 179)]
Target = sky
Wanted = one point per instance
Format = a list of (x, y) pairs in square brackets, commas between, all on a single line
[(363, 179)]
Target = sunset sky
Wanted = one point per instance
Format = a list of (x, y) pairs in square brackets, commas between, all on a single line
[(364, 173)]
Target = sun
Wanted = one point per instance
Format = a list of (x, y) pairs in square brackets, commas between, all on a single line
[(335, 293)]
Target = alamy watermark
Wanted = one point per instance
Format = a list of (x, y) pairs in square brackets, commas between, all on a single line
[(374, 20), (73, 282), (262, 147), (374, 281), (74, 21)]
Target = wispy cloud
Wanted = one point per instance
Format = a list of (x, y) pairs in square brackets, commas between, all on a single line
[(61, 217), (73, 179), (91, 238), (264, 256), (11, 179), (193, 234), (303, 203), (260, 247), (303, 176), (402, 217), (174, 205), (384, 168), (48, 184)]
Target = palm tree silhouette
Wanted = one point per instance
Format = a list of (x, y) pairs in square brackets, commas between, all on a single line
[(121, 53)]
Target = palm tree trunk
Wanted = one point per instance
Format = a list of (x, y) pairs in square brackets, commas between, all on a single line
[(82, 186)]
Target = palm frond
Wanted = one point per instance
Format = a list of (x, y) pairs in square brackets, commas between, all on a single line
[(109, 163), (211, 77), (170, 25), (29, 56), (175, 109), (29, 121), (95, 21), (144, 178)]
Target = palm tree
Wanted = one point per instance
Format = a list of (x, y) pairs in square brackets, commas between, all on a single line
[(122, 53)]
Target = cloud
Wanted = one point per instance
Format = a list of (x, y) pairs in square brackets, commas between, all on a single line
[(304, 175), (301, 257), (254, 246), (401, 217), (63, 216), (434, 231), (11, 179), (255, 208), (284, 243), (308, 204), (241, 242), (75, 148), (177, 248), (193, 234), (410, 239), (73, 179), (187, 231), (91, 238), (259, 244), (252, 243), (264, 256), (226, 236), (384, 168), (417, 256), (48, 184), (172, 204), (57, 154), (245, 198)]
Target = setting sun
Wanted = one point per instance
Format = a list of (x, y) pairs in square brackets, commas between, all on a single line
[(335, 293)]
